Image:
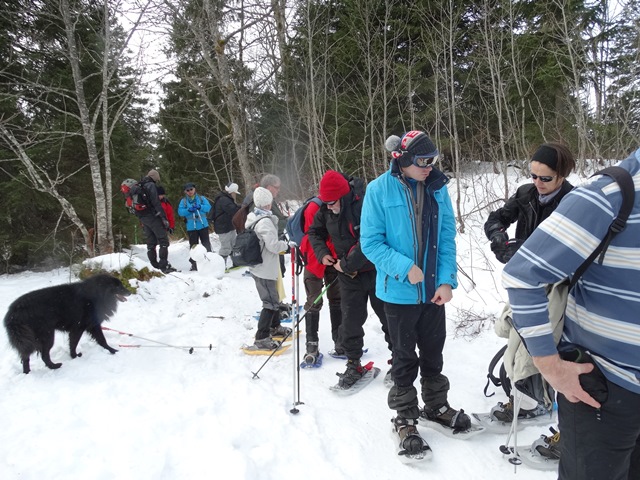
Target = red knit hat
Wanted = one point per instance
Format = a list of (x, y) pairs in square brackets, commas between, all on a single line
[(333, 186)]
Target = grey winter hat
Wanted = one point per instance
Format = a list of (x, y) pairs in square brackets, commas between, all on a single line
[(154, 175)]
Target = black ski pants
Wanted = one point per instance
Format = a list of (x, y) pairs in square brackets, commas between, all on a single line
[(313, 287), (354, 294), (604, 446), (155, 234), (422, 326)]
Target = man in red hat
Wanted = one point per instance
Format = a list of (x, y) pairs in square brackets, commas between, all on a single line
[(339, 220)]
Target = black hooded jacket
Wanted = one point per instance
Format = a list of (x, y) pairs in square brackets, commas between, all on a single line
[(344, 231), (524, 208)]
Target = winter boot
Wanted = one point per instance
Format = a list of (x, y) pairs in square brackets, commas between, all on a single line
[(503, 412), (153, 258), (548, 446), (411, 443), (280, 332), (264, 322), (266, 344), (352, 374), (285, 311), (447, 416), (312, 354), (168, 269), (194, 266)]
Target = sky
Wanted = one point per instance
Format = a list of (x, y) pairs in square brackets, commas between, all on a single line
[(154, 411)]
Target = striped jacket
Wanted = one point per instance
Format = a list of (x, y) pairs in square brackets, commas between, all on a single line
[(603, 310)]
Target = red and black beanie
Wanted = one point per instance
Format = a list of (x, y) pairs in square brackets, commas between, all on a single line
[(411, 144)]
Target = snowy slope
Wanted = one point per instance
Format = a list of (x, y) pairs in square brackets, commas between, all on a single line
[(156, 412)]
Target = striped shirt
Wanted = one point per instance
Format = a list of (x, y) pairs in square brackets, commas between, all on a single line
[(603, 309)]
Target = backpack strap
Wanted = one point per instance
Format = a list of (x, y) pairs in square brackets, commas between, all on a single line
[(491, 378), (625, 181)]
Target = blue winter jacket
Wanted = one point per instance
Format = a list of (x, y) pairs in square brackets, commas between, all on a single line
[(389, 239), (196, 220)]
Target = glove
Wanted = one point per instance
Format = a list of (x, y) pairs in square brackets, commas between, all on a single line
[(165, 223), (510, 250), (170, 231), (499, 245), (197, 206), (192, 208)]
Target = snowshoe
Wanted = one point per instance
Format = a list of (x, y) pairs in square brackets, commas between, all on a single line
[(411, 446), (503, 412), (355, 378), (548, 446), (450, 422), (316, 364)]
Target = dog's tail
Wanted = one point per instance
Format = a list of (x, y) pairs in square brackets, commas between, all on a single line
[(21, 337)]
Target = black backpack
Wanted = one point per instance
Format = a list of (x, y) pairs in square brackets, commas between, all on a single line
[(247, 252), (135, 195), (625, 181)]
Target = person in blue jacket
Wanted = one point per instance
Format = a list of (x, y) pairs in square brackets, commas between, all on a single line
[(194, 208), (408, 231)]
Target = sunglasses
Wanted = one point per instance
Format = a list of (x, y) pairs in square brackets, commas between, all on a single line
[(424, 161), (331, 203), (544, 179), (189, 189)]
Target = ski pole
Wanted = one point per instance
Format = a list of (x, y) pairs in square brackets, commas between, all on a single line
[(296, 348), (255, 374), (188, 349)]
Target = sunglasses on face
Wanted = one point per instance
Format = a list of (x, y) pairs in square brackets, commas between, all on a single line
[(425, 162), (331, 203), (189, 189), (544, 179)]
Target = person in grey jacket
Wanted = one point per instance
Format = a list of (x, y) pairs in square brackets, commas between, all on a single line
[(265, 274)]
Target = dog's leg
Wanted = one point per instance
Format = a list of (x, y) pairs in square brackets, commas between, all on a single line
[(74, 338), (26, 367), (96, 333), (47, 344)]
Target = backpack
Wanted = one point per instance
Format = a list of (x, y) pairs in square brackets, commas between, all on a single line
[(246, 251), (625, 181), (295, 223), (135, 196)]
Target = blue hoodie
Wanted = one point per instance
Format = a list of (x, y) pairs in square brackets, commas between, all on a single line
[(388, 236)]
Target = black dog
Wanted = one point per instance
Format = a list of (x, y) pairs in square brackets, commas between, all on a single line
[(33, 318)]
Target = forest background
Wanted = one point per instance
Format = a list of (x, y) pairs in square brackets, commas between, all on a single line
[(92, 92)]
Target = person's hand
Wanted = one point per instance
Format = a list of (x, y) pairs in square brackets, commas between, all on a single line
[(170, 230), (337, 266), (564, 377), (415, 275), (328, 260), (443, 294), (510, 250), (197, 206), (192, 208), (165, 223), (499, 245)]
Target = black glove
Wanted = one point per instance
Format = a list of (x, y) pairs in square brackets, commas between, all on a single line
[(170, 231), (165, 223), (510, 250), (499, 244)]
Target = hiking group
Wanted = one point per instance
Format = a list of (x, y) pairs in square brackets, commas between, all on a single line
[(571, 323)]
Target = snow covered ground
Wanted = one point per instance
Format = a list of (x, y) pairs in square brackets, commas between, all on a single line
[(158, 412)]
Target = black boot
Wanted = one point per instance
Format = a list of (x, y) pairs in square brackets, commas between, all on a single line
[(312, 320), (312, 354), (264, 323), (153, 257), (194, 265)]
